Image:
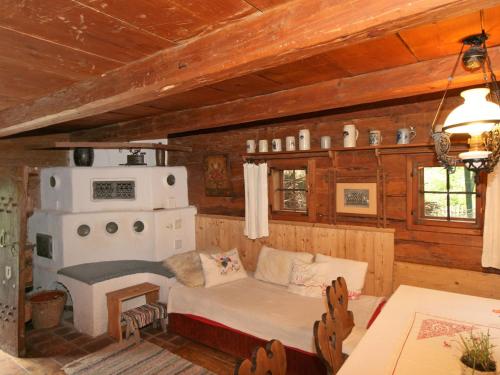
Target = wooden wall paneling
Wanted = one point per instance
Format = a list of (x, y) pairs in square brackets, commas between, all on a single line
[(306, 28), (373, 245), (320, 241), (403, 233), (20, 152), (312, 197), (384, 263), (446, 255), (450, 249), (448, 279)]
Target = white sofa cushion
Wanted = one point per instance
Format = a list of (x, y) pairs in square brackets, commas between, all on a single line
[(311, 279), (353, 271), (275, 266)]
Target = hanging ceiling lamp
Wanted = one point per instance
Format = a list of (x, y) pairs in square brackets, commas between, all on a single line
[(477, 116)]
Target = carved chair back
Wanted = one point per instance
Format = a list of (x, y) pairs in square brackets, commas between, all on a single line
[(270, 360), (337, 297), (334, 327)]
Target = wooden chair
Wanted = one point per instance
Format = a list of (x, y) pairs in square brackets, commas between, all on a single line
[(334, 327), (268, 361), (327, 333), (337, 297)]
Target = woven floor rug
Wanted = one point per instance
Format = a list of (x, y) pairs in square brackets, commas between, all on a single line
[(128, 358)]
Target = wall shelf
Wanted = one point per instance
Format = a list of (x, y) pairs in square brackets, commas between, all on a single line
[(117, 145), (327, 152), (420, 148), (336, 172)]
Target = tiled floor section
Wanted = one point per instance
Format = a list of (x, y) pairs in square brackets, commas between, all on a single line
[(50, 349)]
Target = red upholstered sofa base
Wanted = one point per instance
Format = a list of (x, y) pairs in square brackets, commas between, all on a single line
[(238, 343)]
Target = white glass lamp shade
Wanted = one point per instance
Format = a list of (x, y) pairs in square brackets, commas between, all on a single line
[(475, 116), (474, 155)]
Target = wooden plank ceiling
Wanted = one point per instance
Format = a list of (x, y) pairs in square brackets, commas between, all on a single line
[(50, 45)]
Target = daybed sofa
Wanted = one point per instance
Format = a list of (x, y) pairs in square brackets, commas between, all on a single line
[(238, 315)]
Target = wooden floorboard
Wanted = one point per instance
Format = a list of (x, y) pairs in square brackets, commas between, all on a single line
[(48, 350)]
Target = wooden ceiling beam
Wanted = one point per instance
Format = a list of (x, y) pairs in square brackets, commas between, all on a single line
[(404, 81), (295, 30)]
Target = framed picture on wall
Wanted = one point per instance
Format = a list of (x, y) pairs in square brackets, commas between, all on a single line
[(217, 176), (356, 198)]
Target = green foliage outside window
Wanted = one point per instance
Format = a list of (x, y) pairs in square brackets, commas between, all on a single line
[(449, 196), (294, 187)]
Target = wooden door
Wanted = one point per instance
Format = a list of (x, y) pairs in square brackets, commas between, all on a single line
[(13, 222)]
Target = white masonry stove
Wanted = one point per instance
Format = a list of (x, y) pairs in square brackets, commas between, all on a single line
[(102, 214)]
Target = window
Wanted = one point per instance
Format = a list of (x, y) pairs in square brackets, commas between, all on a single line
[(290, 189), (438, 198), (447, 196), (293, 188)]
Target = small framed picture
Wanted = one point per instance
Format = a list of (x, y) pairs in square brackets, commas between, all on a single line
[(217, 176), (357, 198)]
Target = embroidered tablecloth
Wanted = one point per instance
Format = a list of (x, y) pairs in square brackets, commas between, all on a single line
[(392, 344), (432, 345)]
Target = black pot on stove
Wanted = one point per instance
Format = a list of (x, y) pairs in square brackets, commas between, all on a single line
[(83, 156), (136, 157)]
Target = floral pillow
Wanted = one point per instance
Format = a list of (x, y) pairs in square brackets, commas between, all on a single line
[(353, 271), (310, 279), (220, 268)]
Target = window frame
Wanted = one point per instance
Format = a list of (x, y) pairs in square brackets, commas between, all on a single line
[(276, 168), (415, 219), (282, 190)]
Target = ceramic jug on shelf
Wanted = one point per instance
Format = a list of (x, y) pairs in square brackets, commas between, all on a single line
[(405, 135), (374, 137), (351, 135), (304, 139)]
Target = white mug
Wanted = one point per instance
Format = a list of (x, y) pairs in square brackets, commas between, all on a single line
[(276, 145), (405, 135), (351, 135), (263, 145), (304, 139), (374, 137), (326, 141), (250, 146), (290, 143)]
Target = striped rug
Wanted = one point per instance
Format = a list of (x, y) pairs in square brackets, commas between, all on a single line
[(128, 358)]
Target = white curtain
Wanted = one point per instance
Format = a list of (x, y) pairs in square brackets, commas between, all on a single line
[(491, 235), (256, 200)]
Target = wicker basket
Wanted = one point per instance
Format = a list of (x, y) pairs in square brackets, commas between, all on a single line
[(47, 308)]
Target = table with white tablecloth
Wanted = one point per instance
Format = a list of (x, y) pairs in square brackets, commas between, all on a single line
[(418, 332)]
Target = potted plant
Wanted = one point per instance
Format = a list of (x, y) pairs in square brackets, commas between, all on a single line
[(477, 354)]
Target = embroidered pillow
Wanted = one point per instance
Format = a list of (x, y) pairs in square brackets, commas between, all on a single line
[(311, 279), (220, 268), (353, 271), (274, 266)]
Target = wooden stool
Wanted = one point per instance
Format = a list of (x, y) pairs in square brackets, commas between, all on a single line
[(150, 313), (115, 299)]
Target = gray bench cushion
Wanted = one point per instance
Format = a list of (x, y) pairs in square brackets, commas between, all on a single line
[(92, 273)]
